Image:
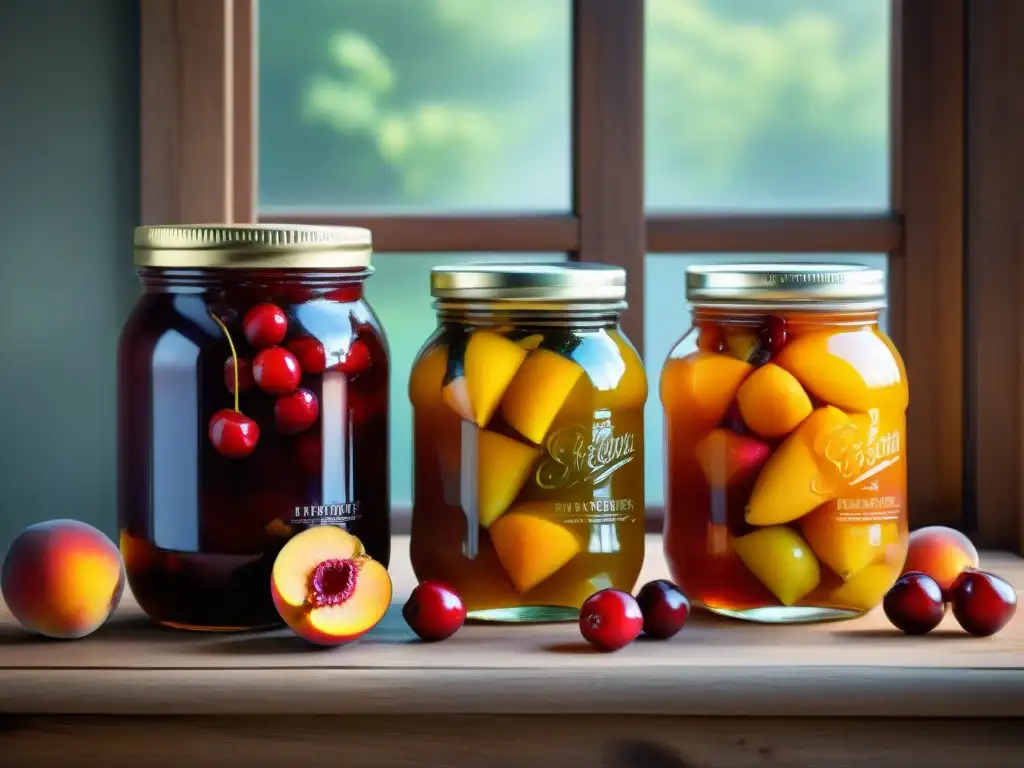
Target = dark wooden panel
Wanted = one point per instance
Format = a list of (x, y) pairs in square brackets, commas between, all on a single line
[(608, 142), (926, 283), (995, 279), (431, 234), (186, 111), (244, 114), (588, 741), (773, 234)]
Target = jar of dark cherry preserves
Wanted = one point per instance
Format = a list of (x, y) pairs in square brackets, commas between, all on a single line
[(252, 403)]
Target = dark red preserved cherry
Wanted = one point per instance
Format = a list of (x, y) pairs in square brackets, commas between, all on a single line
[(434, 611), (772, 336), (355, 360), (245, 379), (308, 453), (983, 603), (309, 352), (610, 619), (276, 371), (265, 325), (233, 434), (296, 412), (664, 608), (914, 604)]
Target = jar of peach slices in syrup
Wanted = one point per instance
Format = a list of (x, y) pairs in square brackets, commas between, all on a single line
[(785, 443), (528, 426)]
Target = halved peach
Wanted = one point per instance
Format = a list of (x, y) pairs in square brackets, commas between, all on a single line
[(700, 386), (327, 589)]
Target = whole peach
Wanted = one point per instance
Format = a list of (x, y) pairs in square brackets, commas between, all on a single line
[(942, 553), (62, 578)]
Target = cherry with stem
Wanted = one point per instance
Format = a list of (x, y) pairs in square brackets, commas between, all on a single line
[(231, 432)]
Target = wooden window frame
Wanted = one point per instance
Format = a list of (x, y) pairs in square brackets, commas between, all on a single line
[(199, 145)]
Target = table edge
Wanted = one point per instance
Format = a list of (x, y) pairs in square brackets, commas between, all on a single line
[(729, 692)]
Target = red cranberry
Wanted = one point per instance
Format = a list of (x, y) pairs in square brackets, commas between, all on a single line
[(276, 371), (610, 619), (233, 434), (772, 337), (296, 411), (265, 325), (355, 360), (310, 354), (914, 604), (983, 603), (434, 611), (245, 380), (664, 608)]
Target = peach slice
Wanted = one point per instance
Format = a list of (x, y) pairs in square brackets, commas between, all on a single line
[(531, 547), (772, 402), (942, 553), (791, 483), (531, 342), (327, 589), (62, 578), (700, 386), (538, 392), (742, 344), (781, 560), (865, 590), (846, 545), (427, 377), (491, 362), (503, 466), (728, 458), (853, 370)]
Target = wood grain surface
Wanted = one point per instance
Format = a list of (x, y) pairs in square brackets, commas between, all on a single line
[(714, 667)]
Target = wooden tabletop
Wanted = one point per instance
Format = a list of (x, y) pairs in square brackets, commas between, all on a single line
[(713, 667)]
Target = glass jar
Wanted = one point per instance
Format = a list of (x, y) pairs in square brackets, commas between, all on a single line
[(252, 403), (528, 440), (785, 430)]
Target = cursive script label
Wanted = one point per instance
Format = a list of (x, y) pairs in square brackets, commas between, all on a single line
[(575, 455), (852, 456)]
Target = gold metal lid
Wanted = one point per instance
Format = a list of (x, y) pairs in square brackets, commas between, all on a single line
[(252, 246), (807, 286), (558, 282)]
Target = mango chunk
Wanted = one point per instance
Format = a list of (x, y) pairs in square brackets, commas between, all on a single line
[(792, 483), (503, 467), (781, 560), (531, 548), (847, 545), (772, 402), (727, 458), (700, 386), (538, 392), (853, 370), (865, 590), (490, 364)]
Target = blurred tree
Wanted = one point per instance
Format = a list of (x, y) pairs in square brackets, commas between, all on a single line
[(465, 103)]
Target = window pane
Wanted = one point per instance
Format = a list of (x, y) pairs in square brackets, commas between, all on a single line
[(414, 104), (667, 318), (399, 291), (767, 105)]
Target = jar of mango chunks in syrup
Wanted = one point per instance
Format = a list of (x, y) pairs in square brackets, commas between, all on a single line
[(252, 404), (528, 426), (785, 426)]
